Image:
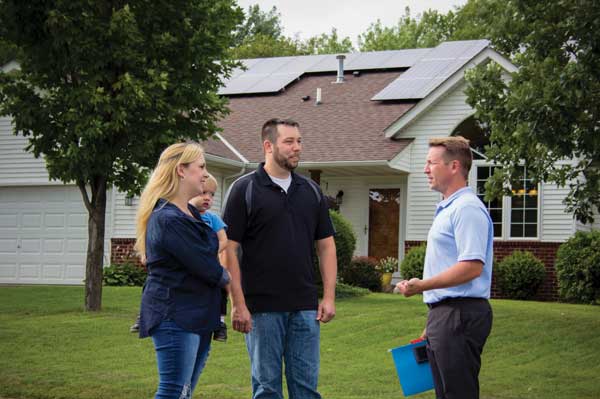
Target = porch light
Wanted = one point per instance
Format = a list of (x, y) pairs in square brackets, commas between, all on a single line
[(339, 197)]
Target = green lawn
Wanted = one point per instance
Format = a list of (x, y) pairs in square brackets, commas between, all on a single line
[(49, 348)]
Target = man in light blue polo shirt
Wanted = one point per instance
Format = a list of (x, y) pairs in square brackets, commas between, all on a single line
[(458, 271)]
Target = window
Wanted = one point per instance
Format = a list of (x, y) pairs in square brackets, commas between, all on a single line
[(524, 208), (494, 207), (513, 217)]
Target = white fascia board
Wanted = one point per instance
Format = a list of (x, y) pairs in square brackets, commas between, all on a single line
[(412, 115), (343, 164), (223, 161), (232, 148)]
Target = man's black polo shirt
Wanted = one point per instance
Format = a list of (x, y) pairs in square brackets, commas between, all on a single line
[(277, 239)]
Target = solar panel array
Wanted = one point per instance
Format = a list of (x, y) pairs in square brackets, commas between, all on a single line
[(432, 70), (268, 75), (427, 69)]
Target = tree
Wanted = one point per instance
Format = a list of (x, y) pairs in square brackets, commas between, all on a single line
[(104, 86), (8, 52), (427, 30), (261, 35), (475, 20), (262, 46), (547, 115), (327, 44), (258, 23)]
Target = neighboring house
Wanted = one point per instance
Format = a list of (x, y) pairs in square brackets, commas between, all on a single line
[(365, 131)]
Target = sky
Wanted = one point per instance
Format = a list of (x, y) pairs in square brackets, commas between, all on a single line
[(309, 18)]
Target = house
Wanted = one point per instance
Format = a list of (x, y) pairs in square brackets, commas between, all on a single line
[(366, 119)]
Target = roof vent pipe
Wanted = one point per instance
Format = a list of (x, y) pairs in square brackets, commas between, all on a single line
[(340, 71), (318, 98)]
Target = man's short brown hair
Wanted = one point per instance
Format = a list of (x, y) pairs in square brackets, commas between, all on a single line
[(269, 129), (457, 148)]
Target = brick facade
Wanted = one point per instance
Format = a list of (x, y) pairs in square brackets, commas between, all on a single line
[(121, 251), (544, 251)]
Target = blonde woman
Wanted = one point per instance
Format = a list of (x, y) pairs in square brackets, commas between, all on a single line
[(181, 299)]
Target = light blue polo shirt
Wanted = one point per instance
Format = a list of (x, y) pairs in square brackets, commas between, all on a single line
[(462, 230)]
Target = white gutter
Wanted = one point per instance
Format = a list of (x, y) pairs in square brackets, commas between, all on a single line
[(232, 148), (343, 164), (221, 160)]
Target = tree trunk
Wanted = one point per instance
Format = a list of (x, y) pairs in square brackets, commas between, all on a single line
[(95, 250)]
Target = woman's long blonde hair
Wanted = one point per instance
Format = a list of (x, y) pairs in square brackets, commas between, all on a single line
[(163, 183)]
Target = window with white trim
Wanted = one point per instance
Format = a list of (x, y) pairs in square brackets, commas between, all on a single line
[(515, 217), (524, 208)]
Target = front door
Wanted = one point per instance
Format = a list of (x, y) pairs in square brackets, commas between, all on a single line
[(384, 222)]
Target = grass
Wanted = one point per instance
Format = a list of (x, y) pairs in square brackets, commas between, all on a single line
[(50, 348)]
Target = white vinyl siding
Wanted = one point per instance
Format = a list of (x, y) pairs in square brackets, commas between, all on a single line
[(557, 225), (17, 166), (439, 120)]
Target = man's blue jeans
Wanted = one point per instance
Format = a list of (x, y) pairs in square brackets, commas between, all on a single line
[(181, 356), (292, 337)]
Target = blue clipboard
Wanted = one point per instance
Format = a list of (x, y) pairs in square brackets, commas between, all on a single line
[(412, 366)]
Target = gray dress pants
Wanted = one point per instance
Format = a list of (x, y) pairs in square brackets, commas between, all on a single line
[(457, 329)]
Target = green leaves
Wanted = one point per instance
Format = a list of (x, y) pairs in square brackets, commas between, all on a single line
[(102, 88), (547, 114)]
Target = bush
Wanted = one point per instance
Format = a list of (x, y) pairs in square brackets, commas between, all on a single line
[(519, 275), (345, 240), (578, 268), (125, 274), (413, 263), (348, 291), (362, 272), (345, 243)]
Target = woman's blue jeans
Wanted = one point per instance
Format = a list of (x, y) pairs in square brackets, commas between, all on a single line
[(181, 356), (290, 337)]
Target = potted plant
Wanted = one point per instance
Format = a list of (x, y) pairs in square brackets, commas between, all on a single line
[(387, 266)]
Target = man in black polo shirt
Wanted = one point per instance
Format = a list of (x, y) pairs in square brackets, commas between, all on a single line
[(276, 216)]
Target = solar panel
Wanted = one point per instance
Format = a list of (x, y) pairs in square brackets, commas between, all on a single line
[(428, 68), (434, 67), (266, 75), (405, 58), (329, 63)]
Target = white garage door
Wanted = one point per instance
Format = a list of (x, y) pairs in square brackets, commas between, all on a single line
[(43, 235)]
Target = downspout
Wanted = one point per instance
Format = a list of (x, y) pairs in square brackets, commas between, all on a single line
[(234, 176)]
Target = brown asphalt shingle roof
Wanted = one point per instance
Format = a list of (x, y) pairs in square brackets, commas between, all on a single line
[(347, 126), (216, 147)]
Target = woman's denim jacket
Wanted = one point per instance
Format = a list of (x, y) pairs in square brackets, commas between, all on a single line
[(184, 275)]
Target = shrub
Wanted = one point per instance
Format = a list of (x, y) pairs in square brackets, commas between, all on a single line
[(125, 274), (345, 240), (345, 243), (578, 268), (362, 272), (348, 291), (413, 263), (519, 275)]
